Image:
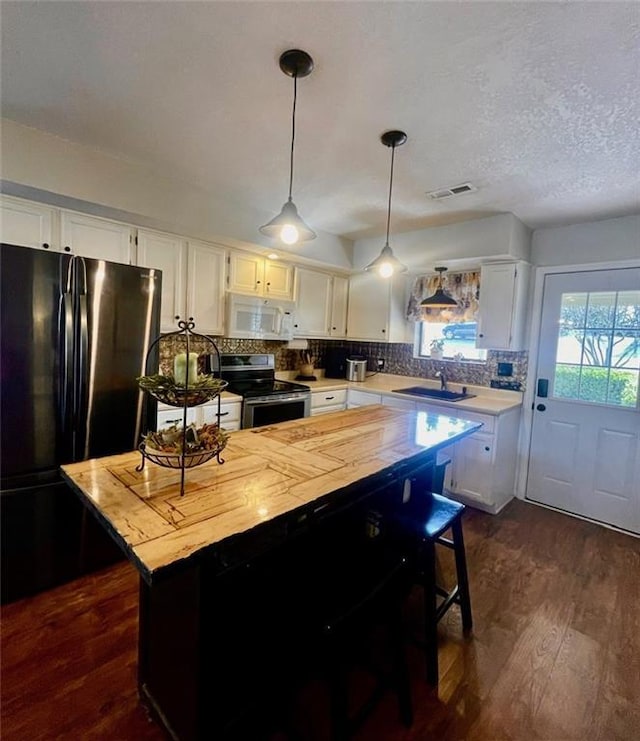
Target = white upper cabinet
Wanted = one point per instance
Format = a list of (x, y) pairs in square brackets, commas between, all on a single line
[(339, 299), (192, 279), (321, 304), (313, 303), (205, 287), (169, 254), (503, 306), (101, 239), (255, 276), (26, 224), (377, 308)]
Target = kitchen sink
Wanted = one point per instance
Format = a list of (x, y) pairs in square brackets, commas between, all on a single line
[(434, 393)]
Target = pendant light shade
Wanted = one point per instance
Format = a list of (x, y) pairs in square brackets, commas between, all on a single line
[(386, 264), (288, 226), (440, 299)]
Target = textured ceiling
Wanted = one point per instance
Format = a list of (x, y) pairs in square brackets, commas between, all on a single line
[(534, 103)]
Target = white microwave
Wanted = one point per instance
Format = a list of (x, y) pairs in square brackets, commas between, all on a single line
[(259, 318)]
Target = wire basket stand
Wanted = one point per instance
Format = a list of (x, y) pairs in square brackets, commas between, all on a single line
[(196, 391)]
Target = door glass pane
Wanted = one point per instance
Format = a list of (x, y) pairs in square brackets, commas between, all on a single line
[(601, 309), (573, 311), (596, 347), (598, 350)]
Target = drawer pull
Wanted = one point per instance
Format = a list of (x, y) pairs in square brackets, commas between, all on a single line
[(223, 414), (328, 398)]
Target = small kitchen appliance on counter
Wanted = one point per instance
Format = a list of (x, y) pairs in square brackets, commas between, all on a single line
[(356, 368)]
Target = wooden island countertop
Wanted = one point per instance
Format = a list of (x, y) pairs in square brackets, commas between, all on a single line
[(269, 472)]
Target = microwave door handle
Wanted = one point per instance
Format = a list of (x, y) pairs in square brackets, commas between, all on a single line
[(278, 321)]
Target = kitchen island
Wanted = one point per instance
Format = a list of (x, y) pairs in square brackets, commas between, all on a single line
[(192, 552)]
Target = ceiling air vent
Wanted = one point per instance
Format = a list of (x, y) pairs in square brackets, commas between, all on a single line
[(456, 190)]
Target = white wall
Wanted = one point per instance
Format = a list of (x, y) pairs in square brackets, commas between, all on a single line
[(44, 167), (591, 242), (495, 237)]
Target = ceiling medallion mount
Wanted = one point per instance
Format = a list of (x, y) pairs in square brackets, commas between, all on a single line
[(393, 138), (296, 63)]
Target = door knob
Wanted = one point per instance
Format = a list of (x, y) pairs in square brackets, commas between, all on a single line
[(541, 407)]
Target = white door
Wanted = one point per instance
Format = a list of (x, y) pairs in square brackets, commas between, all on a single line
[(584, 454)]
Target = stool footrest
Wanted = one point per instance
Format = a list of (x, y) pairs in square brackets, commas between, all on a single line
[(446, 542), (452, 598)]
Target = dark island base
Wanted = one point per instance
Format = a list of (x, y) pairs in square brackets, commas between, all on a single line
[(213, 638)]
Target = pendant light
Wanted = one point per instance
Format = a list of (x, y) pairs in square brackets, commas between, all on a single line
[(288, 226), (387, 263), (440, 299)]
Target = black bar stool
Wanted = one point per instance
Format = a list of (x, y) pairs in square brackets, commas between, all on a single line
[(332, 602), (429, 516)]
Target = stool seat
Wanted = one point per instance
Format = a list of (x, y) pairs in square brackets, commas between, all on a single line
[(436, 515)]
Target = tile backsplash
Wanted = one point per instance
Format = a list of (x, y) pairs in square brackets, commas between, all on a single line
[(398, 358)]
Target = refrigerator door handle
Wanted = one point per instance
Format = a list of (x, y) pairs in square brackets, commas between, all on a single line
[(66, 335), (81, 410)]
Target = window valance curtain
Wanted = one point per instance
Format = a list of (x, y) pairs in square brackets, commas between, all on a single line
[(463, 287)]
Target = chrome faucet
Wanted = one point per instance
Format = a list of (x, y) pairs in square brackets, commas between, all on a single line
[(443, 380)]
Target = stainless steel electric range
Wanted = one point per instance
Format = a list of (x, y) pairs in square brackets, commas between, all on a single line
[(265, 400)]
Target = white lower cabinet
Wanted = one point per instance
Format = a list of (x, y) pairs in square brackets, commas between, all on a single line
[(168, 416), (323, 402), (229, 414), (398, 403), (204, 414), (483, 469), (357, 398)]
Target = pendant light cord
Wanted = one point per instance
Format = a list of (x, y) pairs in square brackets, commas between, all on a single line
[(293, 132), (393, 152)]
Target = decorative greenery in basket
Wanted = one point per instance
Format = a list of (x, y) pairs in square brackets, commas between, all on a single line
[(164, 388), (165, 447)]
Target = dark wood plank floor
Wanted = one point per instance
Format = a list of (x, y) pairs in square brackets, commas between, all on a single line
[(555, 652)]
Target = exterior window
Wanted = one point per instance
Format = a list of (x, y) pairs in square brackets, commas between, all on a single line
[(458, 340), (598, 350)]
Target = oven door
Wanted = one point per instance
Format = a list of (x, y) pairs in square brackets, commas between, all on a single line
[(267, 410)]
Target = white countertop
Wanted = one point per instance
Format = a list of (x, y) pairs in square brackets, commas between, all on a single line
[(485, 401)]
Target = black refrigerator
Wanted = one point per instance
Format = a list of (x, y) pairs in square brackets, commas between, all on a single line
[(75, 333)]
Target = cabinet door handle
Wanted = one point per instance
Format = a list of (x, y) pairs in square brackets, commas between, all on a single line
[(383, 331), (67, 249), (333, 328), (480, 335), (257, 282), (487, 448), (45, 245), (268, 283)]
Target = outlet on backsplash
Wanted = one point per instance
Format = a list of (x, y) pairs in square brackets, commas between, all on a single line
[(380, 364)]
